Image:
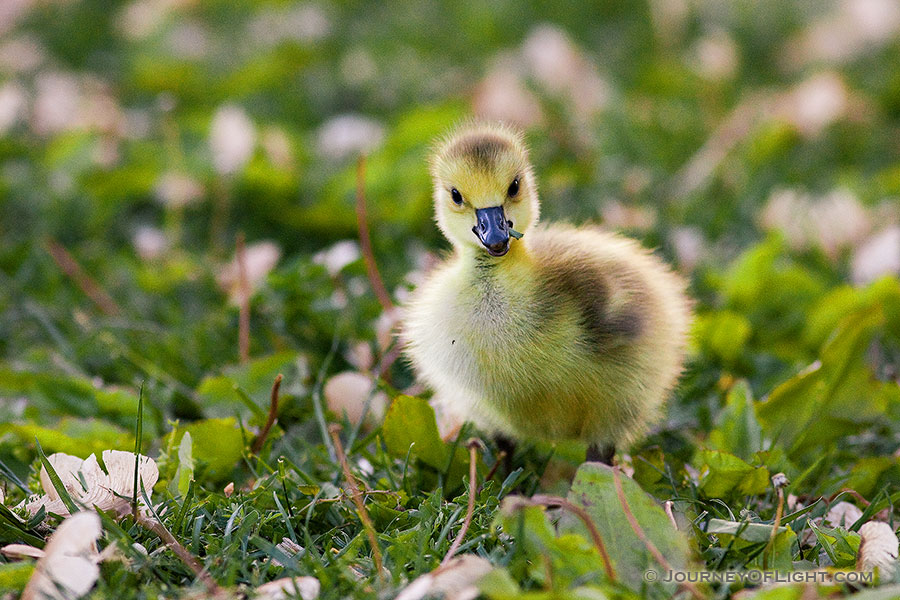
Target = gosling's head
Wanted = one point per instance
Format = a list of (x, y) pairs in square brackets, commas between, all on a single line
[(484, 188)]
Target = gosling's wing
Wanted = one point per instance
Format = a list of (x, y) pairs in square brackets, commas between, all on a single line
[(592, 271)]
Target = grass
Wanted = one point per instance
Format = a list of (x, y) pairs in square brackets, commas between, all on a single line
[(132, 317)]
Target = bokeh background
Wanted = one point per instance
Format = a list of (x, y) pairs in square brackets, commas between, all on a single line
[(755, 145)]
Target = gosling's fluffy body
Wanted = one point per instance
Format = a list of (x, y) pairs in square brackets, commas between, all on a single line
[(575, 333)]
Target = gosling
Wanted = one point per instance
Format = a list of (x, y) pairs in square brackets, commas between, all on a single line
[(539, 332)]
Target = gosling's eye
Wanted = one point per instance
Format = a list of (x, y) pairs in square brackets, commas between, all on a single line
[(456, 196), (513, 188)]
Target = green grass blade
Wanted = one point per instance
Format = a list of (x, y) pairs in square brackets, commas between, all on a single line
[(56, 481)]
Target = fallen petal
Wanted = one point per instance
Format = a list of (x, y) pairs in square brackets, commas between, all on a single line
[(290, 587), (878, 548), (454, 581), (68, 569), (21, 551), (67, 467), (842, 514)]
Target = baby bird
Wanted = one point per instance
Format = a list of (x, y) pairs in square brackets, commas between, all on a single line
[(539, 332)]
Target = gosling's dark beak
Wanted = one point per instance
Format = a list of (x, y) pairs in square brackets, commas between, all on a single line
[(492, 229)]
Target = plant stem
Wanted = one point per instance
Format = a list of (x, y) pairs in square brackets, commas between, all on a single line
[(470, 510), (365, 241), (270, 420), (334, 429)]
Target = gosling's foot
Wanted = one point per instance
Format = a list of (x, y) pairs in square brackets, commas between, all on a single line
[(603, 454)]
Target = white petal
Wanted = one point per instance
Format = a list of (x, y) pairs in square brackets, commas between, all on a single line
[(842, 514), (289, 587), (455, 581), (68, 569), (877, 256), (99, 491), (347, 393), (120, 466), (259, 260), (21, 551), (67, 467), (338, 256), (232, 139), (349, 135)]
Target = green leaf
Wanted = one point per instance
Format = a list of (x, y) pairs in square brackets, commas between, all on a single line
[(723, 334), (14, 576), (247, 386), (724, 475), (409, 423), (738, 431), (216, 442), (184, 475), (78, 437), (835, 397), (594, 490), (499, 585), (56, 481), (568, 552), (750, 532)]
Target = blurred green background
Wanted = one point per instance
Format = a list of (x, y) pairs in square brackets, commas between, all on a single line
[(755, 144)]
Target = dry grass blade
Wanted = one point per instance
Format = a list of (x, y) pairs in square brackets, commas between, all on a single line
[(270, 420), (470, 510), (500, 457), (87, 284), (365, 241), (334, 429), (244, 295), (191, 561)]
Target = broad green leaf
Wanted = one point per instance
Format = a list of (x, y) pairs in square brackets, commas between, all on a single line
[(79, 437), (737, 430), (499, 585), (185, 473), (410, 423), (14, 576), (650, 470), (834, 397), (840, 545), (221, 393), (594, 490), (723, 334), (724, 475), (216, 442), (571, 555), (866, 475)]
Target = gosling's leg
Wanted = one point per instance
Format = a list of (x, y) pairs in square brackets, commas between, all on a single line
[(603, 454), (508, 447)]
